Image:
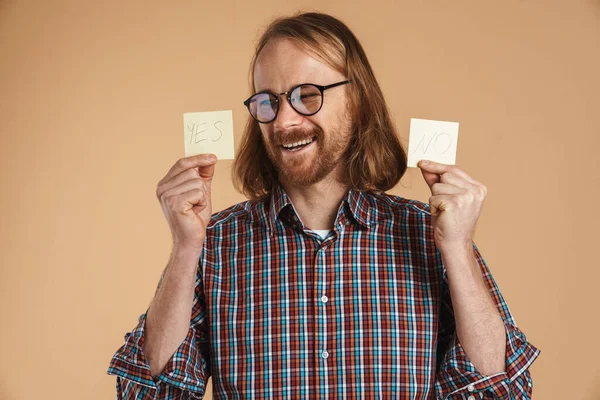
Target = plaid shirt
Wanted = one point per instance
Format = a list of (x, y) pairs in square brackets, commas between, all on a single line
[(365, 313)]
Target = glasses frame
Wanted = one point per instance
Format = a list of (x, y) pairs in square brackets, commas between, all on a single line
[(289, 99)]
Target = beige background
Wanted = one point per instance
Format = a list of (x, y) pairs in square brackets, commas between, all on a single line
[(92, 97)]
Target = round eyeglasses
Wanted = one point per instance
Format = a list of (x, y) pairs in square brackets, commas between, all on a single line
[(306, 99)]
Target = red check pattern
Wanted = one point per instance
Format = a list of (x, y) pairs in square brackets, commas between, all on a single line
[(365, 313)]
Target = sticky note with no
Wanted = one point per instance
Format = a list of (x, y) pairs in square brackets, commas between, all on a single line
[(432, 140), (209, 132)]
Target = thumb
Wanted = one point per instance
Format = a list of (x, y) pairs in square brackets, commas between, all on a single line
[(207, 173), (430, 178)]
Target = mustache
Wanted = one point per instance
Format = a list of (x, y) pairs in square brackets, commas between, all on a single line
[(295, 134)]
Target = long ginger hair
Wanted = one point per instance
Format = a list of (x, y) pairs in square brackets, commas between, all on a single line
[(375, 159)]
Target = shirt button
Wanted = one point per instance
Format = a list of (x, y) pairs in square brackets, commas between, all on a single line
[(324, 299), (325, 354), (470, 388)]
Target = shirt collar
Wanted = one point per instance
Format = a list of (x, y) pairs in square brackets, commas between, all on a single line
[(360, 207), (279, 199), (357, 203)]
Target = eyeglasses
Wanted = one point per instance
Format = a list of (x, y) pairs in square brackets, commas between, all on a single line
[(306, 99)]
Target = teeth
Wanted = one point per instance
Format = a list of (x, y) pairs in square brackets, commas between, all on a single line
[(305, 141)]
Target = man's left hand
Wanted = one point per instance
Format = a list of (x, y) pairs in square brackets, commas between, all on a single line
[(456, 203)]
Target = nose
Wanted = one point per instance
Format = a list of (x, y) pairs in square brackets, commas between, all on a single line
[(287, 116)]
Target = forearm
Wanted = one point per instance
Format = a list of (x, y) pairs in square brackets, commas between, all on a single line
[(169, 314), (479, 327)]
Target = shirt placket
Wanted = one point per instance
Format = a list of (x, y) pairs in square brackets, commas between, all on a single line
[(323, 354), (325, 319)]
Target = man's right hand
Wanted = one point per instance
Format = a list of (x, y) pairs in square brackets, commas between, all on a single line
[(185, 197)]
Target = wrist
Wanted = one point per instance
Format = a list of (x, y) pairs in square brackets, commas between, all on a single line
[(185, 254), (459, 247), (189, 246)]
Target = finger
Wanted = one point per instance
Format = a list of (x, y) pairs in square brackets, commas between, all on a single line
[(444, 188), (187, 175), (186, 186), (206, 172), (194, 199), (478, 189), (199, 160), (439, 168), (452, 178), (440, 203)]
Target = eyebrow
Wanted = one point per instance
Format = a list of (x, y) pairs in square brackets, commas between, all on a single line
[(288, 89)]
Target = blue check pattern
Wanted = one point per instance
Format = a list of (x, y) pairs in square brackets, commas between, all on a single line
[(364, 313)]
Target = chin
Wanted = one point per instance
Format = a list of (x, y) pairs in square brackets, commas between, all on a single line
[(305, 175)]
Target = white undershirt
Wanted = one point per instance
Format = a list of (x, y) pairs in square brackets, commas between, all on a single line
[(322, 232)]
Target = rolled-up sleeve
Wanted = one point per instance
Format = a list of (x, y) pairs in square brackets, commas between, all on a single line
[(457, 377), (185, 374)]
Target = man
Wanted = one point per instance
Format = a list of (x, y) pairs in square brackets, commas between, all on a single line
[(322, 286)]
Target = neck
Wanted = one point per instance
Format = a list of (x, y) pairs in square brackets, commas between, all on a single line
[(317, 204)]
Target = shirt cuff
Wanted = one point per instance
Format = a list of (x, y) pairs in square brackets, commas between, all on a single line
[(181, 371), (458, 377)]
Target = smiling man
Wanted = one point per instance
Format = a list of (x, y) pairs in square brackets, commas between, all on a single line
[(322, 286)]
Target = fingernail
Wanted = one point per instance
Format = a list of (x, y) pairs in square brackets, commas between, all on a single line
[(424, 162)]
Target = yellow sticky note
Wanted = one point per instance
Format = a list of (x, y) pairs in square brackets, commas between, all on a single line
[(432, 140), (209, 132)]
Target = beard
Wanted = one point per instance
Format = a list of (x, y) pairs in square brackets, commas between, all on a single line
[(312, 166)]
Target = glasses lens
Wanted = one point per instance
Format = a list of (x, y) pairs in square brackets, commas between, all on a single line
[(263, 107), (306, 99)]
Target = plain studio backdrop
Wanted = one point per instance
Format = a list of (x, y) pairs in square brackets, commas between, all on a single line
[(91, 107)]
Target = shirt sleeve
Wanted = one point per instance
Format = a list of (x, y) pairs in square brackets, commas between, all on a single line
[(186, 373), (457, 377)]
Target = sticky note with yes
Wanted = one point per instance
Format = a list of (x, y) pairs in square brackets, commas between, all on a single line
[(209, 132), (432, 140)]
